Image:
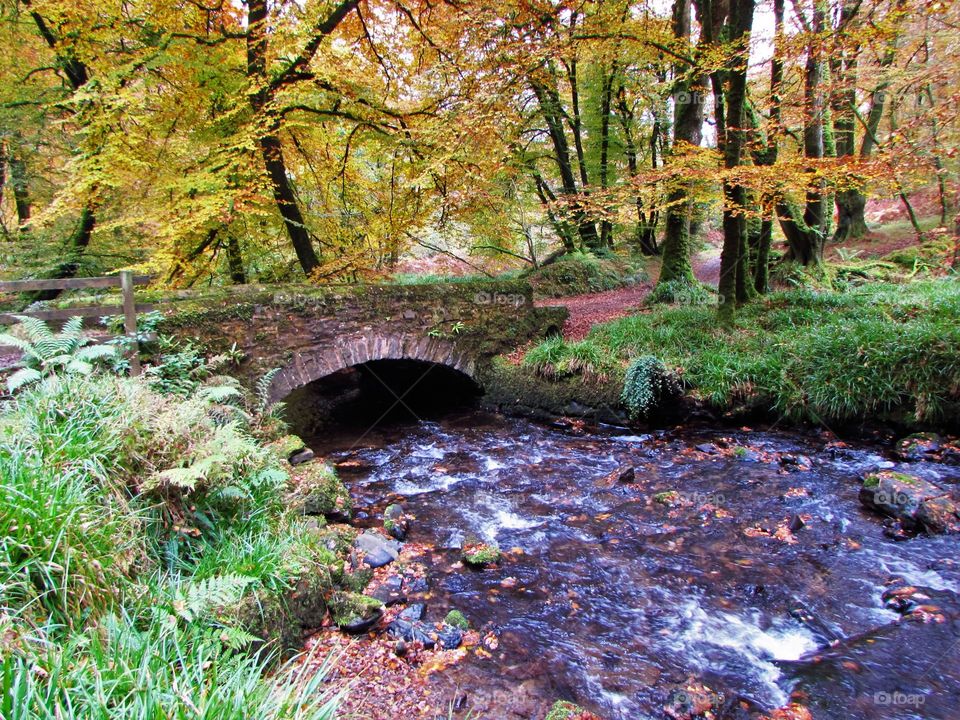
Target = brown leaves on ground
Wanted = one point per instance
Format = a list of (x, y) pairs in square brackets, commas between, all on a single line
[(379, 684)]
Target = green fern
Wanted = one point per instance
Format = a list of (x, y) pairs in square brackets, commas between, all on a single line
[(263, 390), (198, 599), (46, 352)]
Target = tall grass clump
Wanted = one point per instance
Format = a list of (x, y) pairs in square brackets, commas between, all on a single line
[(135, 523), (554, 358)]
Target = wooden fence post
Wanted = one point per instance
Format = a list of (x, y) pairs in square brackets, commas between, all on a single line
[(130, 320)]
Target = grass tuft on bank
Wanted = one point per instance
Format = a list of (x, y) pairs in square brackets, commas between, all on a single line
[(873, 351)]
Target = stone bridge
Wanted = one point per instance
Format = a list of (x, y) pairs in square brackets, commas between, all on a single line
[(311, 332)]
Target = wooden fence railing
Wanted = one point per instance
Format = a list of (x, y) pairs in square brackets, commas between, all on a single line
[(125, 280)]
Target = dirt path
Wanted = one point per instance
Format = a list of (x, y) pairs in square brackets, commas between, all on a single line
[(594, 308)]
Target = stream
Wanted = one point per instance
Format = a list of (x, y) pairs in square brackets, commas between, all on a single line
[(758, 576)]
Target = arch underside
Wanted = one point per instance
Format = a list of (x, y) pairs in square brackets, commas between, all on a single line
[(309, 366)]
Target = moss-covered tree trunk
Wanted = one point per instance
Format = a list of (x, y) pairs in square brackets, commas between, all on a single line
[(734, 285), (688, 96)]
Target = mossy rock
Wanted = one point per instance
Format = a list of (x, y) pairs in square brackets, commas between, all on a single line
[(916, 503), (481, 554), (266, 616), (318, 490), (353, 611), (287, 446), (563, 710), (337, 539), (457, 619), (670, 498)]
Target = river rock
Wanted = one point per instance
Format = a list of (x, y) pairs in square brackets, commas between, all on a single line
[(302, 456), (412, 632), (378, 550), (413, 613), (916, 503), (449, 637), (800, 462), (623, 474), (390, 591), (396, 521), (708, 448), (918, 446)]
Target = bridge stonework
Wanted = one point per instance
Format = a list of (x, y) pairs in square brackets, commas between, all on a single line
[(309, 332)]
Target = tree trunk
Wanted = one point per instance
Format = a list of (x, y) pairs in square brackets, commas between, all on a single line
[(688, 99), (235, 261), (549, 101), (734, 285), (21, 191), (645, 237), (606, 227)]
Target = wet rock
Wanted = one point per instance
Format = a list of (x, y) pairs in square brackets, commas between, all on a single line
[(797, 462), (378, 550), (390, 591), (915, 503), (623, 474), (305, 455), (449, 637), (413, 612), (354, 613), (708, 448), (453, 541), (938, 515), (692, 700), (918, 446), (396, 521), (796, 524), (747, 455), (411, 632)]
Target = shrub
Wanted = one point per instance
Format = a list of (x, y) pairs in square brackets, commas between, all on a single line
[(578, 273), (646, 384)]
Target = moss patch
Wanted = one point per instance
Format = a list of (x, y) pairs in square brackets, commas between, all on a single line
[(481, 554), (318, 490), (456, 619)]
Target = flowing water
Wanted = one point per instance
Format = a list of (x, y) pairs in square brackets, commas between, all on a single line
[(616, 596)]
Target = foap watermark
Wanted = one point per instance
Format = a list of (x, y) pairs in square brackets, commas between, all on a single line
[(899, 699), (499, 298), (690, 497), (892, 497)]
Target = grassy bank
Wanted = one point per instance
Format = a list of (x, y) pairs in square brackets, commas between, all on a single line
[(877, 351), (149, 547)]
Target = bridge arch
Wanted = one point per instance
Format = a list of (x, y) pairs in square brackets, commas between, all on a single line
[(314, 364)]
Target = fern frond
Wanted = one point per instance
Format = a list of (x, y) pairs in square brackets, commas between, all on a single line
[(198, 598), (96, 352), (219, 393), (263, 389), (73, 327), (77, 366), (36, 330), (22, 377)]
